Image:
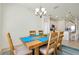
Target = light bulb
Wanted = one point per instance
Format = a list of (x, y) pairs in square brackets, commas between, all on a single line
[(35, 13), (42, 9), (40, 13), (45, 12), (37, 9)]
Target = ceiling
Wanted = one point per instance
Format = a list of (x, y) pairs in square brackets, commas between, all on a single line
[(54, 9)]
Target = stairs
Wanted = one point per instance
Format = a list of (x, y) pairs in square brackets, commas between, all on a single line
[(68, 51)]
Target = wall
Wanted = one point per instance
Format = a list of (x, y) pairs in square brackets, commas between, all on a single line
[(18, 20), (0, 25), (59, 24)]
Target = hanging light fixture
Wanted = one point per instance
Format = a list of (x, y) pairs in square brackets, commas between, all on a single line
[(40, 12)]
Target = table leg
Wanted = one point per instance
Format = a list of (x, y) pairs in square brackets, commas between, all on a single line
[(36, 51)]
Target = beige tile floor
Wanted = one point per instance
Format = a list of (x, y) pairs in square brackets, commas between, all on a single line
[(71, 43)]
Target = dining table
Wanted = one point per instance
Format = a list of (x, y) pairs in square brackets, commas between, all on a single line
[(34, 42)]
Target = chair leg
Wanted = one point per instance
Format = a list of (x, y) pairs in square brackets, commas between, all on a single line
[(12, 53), (60, 47), (54, 52)]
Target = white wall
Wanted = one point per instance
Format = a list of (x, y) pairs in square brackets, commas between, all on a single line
[(59, 24), (0, 25), (18, 20)]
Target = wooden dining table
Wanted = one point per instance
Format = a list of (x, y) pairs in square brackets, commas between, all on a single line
[(35, 44)]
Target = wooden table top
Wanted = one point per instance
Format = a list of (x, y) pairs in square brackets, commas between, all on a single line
[(35, 43)]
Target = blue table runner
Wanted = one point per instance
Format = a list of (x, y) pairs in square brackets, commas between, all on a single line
[(43, 39), (27, 39), (31, 38)]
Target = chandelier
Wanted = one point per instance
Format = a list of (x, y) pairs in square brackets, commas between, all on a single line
[(40, 12)]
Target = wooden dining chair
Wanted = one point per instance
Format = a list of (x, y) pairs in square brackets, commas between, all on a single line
[(17, 50), (59, 40), (32, 32), (51, 46), (40, 32)]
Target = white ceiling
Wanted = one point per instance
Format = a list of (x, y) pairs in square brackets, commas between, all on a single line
[(54, 9)]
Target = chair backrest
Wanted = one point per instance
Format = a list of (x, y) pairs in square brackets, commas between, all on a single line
[(61, 35), (32, 32), (52, 42), (40, 32), (10, 41)]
